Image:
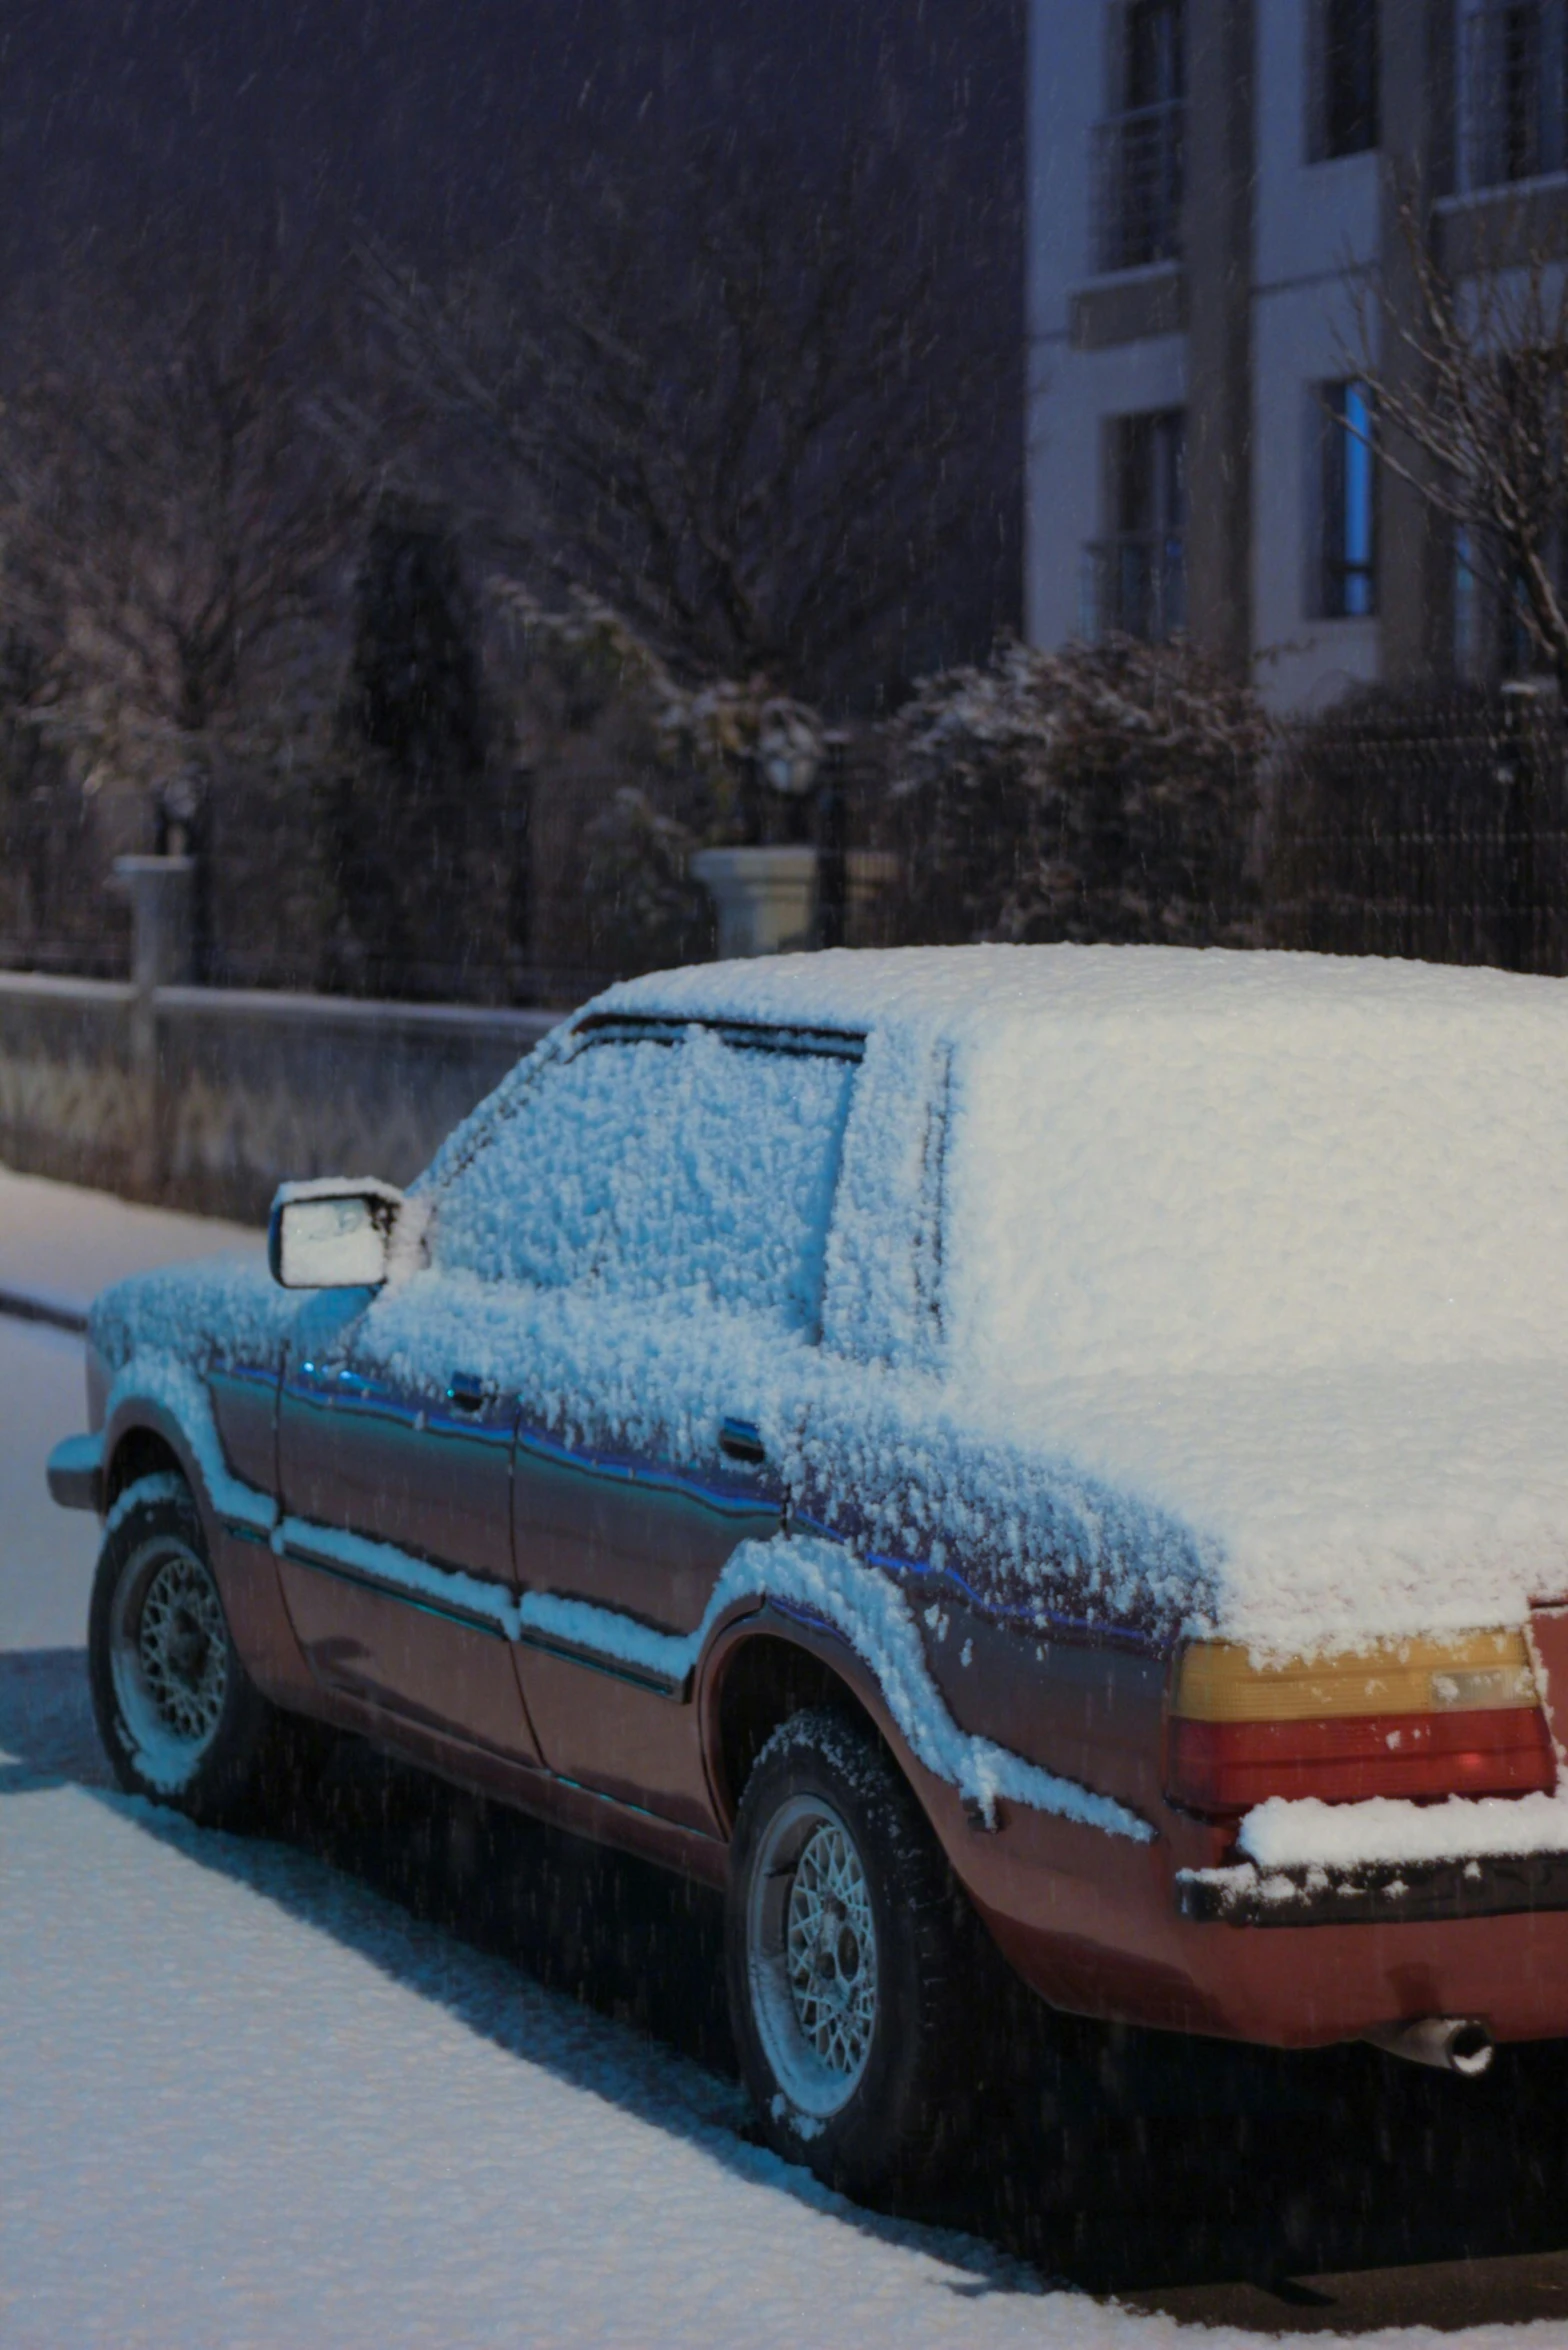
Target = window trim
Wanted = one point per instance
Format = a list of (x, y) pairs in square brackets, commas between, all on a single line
[(563, 1044), (834, 1044)]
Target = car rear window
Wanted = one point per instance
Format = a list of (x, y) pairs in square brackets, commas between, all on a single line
[(677, 1166)]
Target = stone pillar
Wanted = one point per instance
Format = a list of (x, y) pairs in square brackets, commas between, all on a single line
[(765, 898), (161, 891), (1217, 250), (1413, 584)]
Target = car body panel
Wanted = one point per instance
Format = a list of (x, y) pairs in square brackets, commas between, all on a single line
[(407, 1658), (644, 1539), (245, 1407), (362, 1455)]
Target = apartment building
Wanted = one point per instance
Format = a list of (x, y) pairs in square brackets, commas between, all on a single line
[(1210, 183)]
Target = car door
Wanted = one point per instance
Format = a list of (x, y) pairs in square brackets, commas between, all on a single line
[(394, 1459), (668, 1370)]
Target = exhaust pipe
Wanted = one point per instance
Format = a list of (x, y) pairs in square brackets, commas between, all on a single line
[(1453, 2043)]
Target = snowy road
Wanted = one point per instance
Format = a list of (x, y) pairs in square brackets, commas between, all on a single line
[(247, 2097), (249, 2101)]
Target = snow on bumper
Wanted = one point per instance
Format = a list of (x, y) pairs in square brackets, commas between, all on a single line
[(1377, 1893), (1387, 1861)]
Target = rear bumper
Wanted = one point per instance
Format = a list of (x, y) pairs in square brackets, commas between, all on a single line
[(76, 1473), (1386, 1893), (1105, 1927)]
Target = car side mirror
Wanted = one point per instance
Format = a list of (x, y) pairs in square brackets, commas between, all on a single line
[(335, 1233)]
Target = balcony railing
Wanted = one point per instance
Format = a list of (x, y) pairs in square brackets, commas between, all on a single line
[(1135, 585), (1138, 187)]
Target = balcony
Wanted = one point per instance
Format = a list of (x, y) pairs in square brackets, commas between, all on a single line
[(1135, 585), (1137, 162)]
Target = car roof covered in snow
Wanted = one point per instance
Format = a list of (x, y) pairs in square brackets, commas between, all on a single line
[(962, 992)]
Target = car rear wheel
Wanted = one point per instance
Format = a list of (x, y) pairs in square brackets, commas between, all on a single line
[(180, 1718), (845, 1937)]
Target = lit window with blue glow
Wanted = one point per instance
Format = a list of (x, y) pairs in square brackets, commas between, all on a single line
[(1349, 504)]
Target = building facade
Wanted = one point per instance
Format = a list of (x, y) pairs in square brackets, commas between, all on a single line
[(1215, 192)]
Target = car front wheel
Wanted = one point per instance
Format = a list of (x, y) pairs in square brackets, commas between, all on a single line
[(179, 1716), (844, 1946)]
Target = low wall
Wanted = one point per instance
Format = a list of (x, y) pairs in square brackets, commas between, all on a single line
[(207, 1098)]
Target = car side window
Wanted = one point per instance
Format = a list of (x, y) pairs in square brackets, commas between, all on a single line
[(681, 1165)]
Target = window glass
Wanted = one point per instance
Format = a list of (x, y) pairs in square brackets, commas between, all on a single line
[(1138, 148), (688, 1168), (1153, 58), (1349, 109), (1515, 79), (1139, 588), (1349, 504)]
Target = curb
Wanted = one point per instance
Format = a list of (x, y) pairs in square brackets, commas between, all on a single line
[(23, 1308)]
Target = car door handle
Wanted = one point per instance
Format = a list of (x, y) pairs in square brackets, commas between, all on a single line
[(467, 1393), (741, 1440)]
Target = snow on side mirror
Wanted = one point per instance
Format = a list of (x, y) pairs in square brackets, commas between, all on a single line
[(335, 1233)]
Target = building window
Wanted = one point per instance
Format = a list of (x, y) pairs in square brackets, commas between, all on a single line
[(1136, 575), (1514, 95), (1349, 504), (1344, 78), (1138, 147)]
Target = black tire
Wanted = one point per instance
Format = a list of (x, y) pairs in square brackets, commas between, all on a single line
[(180, 1718), (866, 2085)]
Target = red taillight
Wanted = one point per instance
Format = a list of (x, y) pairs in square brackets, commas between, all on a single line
[(1425, 1718), (1230, 1766)]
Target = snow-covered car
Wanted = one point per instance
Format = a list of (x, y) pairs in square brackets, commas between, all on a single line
[(1072, 1438)]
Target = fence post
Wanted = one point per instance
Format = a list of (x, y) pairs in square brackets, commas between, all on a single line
[(832, 845), (1528, 706), (160, 890)]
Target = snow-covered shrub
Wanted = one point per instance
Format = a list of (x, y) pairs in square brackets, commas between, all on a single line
[(1106, 792), (643, 908), (631, 769)]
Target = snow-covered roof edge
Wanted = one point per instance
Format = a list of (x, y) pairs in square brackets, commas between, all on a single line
[(956, 991)]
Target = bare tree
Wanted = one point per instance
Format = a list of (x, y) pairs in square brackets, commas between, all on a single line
[(171, 510), (1469, 386), (739, 397)]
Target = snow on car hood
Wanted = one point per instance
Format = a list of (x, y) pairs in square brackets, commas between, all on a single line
[(220, 1309)]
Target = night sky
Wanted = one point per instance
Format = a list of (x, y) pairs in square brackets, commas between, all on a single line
[(422, 117), (438, 125)]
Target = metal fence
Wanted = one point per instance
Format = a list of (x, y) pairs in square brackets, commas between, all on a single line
[(1437, 830), (1434, 829)]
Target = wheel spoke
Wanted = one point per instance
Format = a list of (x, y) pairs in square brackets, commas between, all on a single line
[(813, 1954), (180, 1650), (831, 1944)]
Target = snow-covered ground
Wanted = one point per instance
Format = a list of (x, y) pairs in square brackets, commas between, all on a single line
[(63, 1244), (245, 2100), (249, 2102)]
